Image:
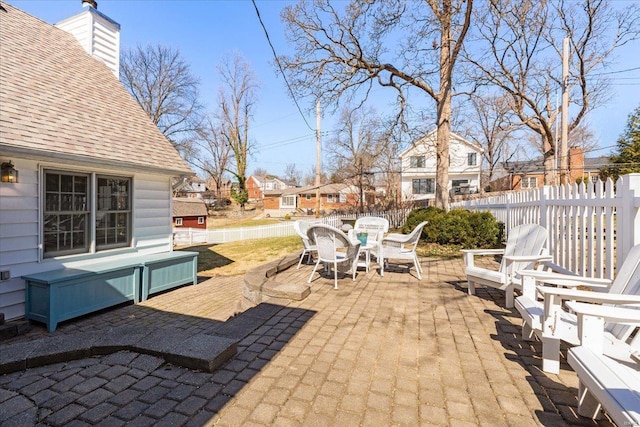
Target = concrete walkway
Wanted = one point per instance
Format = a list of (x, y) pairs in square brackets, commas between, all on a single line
[(377, 352)]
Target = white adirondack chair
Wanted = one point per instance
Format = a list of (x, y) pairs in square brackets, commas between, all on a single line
[(402, 247), (608, 370), (375, 227), (308, 246), (334, 247), (547, 320), (526, 246)]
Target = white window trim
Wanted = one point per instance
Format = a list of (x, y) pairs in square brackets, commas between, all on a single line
[(287, 206), (200, 220), (93, 209), (178, 222)]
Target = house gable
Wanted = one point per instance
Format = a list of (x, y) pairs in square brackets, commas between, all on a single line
[(95, 173), (58, 102)]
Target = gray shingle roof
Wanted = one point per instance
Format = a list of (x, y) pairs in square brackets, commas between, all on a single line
[(58, 101), (190, 206)]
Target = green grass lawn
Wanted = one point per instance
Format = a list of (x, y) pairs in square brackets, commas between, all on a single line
[(229, 259)]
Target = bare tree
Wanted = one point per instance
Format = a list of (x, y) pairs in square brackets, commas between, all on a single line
[(522, 45), (405, 46), (214, 152), (355, 148), (292, 174), (582, 136), (162, 83), (310, 177), (260, 173), (236, 99), (492, 128)]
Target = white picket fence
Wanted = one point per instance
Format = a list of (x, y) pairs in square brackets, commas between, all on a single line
[(591, 227), (192, 236)]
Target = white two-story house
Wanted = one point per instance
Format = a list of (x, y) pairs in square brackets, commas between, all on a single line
[(418, 174)]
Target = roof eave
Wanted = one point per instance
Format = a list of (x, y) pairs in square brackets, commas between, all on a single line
[(72, 159)]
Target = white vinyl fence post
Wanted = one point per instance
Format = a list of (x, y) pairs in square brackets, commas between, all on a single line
[(627, 218)]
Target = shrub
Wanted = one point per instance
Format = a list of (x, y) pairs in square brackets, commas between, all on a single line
[(287, 217), (456, 227)]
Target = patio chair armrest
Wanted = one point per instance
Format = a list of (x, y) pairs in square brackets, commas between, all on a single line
[(525, 258), (395, 238), (551, 267), (588, 296), (567, 280), (483, 251), (615, 314)]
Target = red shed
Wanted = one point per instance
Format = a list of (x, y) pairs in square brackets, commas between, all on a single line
[(189, 212)]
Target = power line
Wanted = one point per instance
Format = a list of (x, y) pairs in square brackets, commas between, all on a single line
[(273, 50), (616, 72)]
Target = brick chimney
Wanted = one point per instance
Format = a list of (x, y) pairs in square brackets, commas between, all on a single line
[(576, 163), (98, 34)]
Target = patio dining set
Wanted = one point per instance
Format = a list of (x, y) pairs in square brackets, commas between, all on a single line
[(341, 251)]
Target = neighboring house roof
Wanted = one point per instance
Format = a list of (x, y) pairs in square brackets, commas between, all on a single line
[(596, 162), (57, 101), (536, 166), (185, 183), (432, 136), (189, 207)]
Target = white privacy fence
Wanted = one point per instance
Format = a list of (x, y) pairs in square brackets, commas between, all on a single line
[(591, 226)]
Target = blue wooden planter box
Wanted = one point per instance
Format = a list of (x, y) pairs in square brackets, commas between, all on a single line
[(168, 270), (58, 295)]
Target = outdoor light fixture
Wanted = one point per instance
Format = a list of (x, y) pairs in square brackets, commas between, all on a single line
[(9, 173)]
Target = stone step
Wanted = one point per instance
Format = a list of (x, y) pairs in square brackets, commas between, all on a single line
[(201, 351)]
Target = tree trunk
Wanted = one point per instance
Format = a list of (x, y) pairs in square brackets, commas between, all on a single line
[(443, 101)]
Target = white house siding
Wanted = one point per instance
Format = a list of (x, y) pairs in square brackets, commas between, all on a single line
[(98, 35), (18, 234), (152, 228), (20, 227)]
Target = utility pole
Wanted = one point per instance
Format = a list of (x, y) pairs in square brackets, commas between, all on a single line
[(318, 158), (564, 124)]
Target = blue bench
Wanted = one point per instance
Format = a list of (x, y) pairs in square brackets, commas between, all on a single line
[(58, 295)]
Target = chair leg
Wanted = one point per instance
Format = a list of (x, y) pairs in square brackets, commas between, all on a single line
[(418, 268), (301, 258), (588, 406), (335, 274), (315, 267), (550, 354), (527, 332), (508, 296), (471, 287)]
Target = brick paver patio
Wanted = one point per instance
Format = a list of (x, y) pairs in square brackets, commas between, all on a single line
[(379, 351)]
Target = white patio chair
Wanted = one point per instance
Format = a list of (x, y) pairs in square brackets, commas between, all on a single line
[(548, 321), (334, 248), (402, 247), (526, 246), (308, 246), (606, 379), (375, 227)]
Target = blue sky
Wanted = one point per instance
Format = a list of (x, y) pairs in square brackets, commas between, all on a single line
[(204, 31)]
